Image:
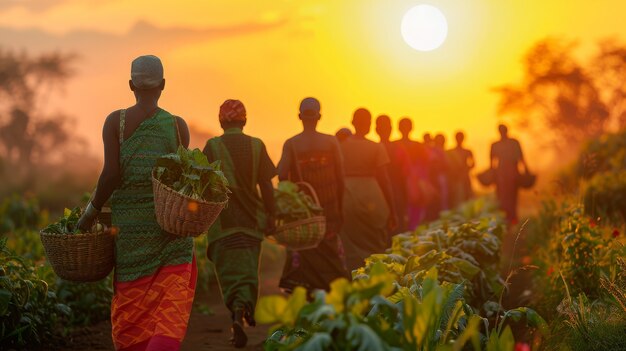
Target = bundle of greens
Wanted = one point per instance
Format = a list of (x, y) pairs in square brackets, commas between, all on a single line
[(67, 223), (190, 173), (292, 204)]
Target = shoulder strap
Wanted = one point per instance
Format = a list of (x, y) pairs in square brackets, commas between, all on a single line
[(122, 125), (220, 153), (178, 141), (296, 163)]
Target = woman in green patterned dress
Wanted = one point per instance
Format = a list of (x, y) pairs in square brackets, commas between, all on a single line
[(155, 272)]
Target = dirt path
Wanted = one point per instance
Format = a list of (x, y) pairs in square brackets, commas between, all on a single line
[(212, 332)]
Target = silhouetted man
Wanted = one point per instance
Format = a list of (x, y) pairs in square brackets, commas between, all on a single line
[(506, 155), (315, 158), (415, 169), (461, 162), (383, 129), (368, 201)]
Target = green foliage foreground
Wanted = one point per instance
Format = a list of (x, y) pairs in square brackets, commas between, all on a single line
[(36, 307), (414, 298)]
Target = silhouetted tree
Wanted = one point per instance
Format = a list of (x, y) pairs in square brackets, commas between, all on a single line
[(27, 132), (573, 99), (609, 71)]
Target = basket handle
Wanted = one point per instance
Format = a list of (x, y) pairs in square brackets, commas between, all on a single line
[(311, 190)]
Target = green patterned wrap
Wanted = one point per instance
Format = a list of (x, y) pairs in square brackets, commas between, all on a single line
[(142, 247)]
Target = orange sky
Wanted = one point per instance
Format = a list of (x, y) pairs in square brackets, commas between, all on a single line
[(271, 54)]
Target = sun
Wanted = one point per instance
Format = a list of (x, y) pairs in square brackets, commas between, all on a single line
[(424, 28)]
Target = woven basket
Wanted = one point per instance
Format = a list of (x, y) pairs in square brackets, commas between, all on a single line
[(181, 215), (80, 257), (487, 177), (305, 233), (526, 180)]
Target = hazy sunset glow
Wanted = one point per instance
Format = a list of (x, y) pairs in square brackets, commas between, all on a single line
[(272, 54)]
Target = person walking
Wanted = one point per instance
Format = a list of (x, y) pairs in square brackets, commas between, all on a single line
[(235, 237), (315, 158), (506, 156), (368, 205), (419, 191), (396, 155), (146, 312), (461, 163)]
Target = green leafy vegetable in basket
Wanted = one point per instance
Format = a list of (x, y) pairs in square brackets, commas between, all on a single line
[(190, 173), (292, 204), (67, 223)]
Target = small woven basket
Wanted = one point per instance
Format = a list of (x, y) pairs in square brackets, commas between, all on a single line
[(526, 180), (305, 233), (80, 257), (487, 177), (181, 215)]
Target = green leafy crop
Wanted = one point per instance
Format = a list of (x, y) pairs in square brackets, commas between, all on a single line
[(190, 173), (30, 313), (426, 294), (67, 223), (292, 204)]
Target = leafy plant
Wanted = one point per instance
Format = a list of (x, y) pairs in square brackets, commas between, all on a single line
[(463, 246), (605, 196), (376, 314), (604, 154), (29, 312), (293, 204), (89, 302), (580, 253), (414, 297), (17, 212), (582, 273), (67, 223), (26, 243), (357, 316), (435, 315), (595, 325), (190, 173)]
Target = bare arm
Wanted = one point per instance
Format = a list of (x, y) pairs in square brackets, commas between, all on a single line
[(267, 193), (110, 177), (284, 165), (470, 160), (521, 158), (492, 157), (267, 171)]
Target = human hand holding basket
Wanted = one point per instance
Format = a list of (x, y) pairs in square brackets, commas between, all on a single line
[(79, 256)]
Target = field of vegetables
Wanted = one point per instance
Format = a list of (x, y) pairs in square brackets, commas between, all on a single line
[(437, 288), (445, 286), (440, 287)]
